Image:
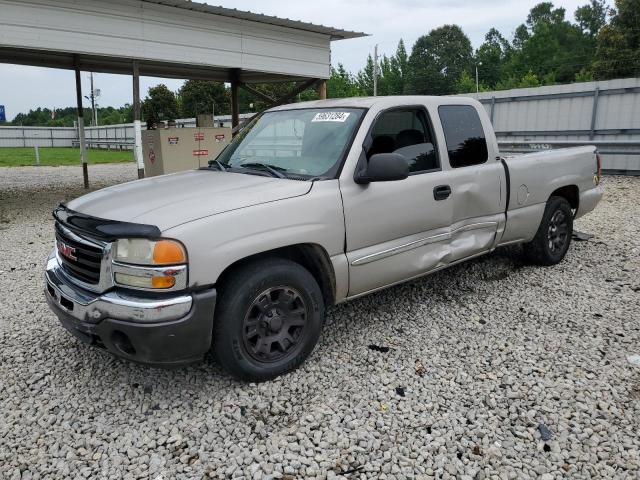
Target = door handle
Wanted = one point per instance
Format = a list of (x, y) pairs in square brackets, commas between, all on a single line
[(441, 192)]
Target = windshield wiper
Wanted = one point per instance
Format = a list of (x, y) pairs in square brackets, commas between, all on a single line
[(218, 164), (272, 169)]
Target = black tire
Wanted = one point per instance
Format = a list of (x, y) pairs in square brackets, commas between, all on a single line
[(553, 237), (268, 319)]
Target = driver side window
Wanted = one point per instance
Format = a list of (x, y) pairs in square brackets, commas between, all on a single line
[(406, 131)]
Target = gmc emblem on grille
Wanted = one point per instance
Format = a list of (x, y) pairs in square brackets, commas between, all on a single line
[(67, 251)]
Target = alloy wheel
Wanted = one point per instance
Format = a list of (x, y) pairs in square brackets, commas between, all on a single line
[(558, 232), (274, 324)]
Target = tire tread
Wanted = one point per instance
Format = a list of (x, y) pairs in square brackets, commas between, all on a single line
[(249, 276), (535, 250)]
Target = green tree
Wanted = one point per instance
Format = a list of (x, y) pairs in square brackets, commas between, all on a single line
[(364, 78), (507, 83), (520, 37), (530, 79), (592, 17), (199, 96), (548, 43), (66, 116), (341, 84), (466, 84), (492, 57), (160, 104), (384, 75), (392, 72), (437, 61), (584, 75), (618, 43)]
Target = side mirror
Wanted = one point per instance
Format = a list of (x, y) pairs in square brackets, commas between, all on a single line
[(384, 167)]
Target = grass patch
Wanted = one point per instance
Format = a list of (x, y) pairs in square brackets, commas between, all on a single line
[(53, 157)]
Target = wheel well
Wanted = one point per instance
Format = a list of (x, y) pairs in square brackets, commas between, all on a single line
[(570, 193), (311, 256)]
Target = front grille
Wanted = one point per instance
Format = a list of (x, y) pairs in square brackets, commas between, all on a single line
[(82, 260)]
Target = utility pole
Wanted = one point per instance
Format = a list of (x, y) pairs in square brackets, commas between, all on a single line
[(375, 70), (93, 101), (477, 83), (94, 93)]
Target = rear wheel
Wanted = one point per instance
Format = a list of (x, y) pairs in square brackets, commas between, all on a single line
[(268, 320), (553, 237)]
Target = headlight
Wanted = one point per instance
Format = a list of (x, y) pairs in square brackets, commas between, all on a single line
[(140, 251), (150, 264)]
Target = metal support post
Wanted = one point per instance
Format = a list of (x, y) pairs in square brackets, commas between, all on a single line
[(235, 107), (137, 127), (594, 113), (81, 137)]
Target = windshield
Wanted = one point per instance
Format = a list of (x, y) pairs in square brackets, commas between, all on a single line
[(300, 142)]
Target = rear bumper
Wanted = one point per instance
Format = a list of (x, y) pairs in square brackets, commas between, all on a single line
[(589, 199), (164, 330)]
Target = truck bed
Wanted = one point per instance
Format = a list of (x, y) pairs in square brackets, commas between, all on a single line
[(534, 177)]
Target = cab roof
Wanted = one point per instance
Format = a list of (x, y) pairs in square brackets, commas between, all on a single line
[(380, 102)]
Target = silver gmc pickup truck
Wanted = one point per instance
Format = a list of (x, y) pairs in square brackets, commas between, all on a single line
[(310, 205)]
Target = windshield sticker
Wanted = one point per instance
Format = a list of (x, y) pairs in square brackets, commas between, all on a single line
[(331, 117)]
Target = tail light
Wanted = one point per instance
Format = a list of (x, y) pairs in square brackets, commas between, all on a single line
[(598, 175)]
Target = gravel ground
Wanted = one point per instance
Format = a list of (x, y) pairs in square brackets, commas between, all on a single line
[(494, 369)]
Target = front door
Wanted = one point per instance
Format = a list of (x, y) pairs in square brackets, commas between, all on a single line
[(399, 229)]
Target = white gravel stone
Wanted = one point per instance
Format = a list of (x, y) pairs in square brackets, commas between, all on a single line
[(485, 352), (634, 360)]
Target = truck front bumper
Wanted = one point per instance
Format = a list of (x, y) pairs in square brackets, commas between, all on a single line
[(160, 330)]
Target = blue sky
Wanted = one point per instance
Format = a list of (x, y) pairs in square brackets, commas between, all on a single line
[(22, 87)]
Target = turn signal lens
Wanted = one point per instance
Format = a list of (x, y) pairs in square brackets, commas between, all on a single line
[(163, 282), (168, 252)]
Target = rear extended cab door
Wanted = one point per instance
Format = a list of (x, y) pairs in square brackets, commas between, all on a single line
[(403, 229), (475, 175)]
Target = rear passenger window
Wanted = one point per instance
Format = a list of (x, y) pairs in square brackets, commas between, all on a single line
[(463, 131), (406, 131)]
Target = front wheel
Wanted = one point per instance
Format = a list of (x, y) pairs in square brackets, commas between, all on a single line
[(268, 320), (553, 237)]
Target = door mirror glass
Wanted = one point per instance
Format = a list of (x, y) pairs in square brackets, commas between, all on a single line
[(384, 167)]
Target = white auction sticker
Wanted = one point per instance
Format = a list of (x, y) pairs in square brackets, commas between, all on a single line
[(331, 117)]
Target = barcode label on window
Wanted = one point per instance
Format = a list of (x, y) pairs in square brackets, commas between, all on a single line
[(331, 117)]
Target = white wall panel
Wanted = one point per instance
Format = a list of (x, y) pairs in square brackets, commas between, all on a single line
[(550, 113)]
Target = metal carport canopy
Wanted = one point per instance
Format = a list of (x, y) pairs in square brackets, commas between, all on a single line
[(169, 38), (163, 38)]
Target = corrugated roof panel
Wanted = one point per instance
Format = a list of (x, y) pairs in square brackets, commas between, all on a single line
[(334, 33)]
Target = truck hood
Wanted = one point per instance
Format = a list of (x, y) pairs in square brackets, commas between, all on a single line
[(170, 200)]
